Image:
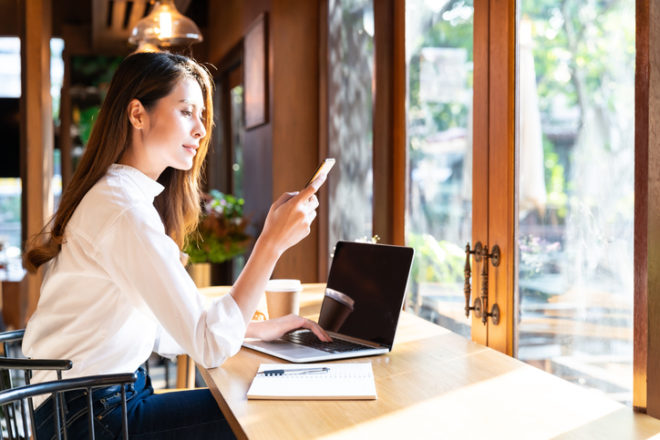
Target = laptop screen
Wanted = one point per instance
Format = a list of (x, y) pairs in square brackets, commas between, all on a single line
[(366, 288)]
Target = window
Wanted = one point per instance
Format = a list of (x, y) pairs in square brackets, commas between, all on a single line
[(350, 134), (439, 123), (576, 191), (10, 182)]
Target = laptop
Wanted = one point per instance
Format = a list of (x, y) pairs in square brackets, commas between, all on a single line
[(360, 310)]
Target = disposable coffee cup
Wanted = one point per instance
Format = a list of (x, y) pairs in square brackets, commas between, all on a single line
[(283, 297), (336, 308)]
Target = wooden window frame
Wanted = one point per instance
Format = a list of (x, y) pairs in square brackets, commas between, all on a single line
[(646, 353)]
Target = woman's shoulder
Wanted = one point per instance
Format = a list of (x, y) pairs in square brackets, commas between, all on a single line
[(110, 199)]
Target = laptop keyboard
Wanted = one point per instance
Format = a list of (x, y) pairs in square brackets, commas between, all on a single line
[(309, 339)]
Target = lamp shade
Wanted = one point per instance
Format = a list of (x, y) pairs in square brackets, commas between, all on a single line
[(165, 26)]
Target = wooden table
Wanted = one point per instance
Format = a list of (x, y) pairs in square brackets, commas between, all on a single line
[(434, 384)]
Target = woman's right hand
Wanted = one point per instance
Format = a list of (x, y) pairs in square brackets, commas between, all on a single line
[(290, 217)]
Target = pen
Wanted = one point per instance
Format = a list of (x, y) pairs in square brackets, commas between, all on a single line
[(296, 371)]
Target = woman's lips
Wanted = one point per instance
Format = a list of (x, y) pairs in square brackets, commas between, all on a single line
[(192, 149)]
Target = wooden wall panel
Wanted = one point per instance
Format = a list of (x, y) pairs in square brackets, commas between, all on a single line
[(9, 18), (295, 110), (228, 21), (281, 154)]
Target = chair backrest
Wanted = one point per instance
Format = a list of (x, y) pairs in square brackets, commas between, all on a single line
[(16, 392), (10, 399), (8, 381), (16, 371), (9, 340)]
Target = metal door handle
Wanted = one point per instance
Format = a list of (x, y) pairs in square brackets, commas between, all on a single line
[(480, 305)]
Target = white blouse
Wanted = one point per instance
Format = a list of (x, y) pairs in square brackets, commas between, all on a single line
[(117, 290)]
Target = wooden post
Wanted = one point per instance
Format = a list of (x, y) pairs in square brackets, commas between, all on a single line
[(36, 127), (646, 362), (389, 122)]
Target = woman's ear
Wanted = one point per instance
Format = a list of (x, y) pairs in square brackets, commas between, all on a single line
[(137, 114)]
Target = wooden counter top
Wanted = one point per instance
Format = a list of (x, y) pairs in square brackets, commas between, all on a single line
[(434, 384)]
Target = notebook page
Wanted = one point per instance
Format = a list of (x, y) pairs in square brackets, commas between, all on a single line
[(349, 381)]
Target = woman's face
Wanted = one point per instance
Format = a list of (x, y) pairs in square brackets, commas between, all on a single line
[(174, 127)]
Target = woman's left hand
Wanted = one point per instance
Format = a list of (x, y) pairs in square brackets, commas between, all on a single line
[(275, 328)]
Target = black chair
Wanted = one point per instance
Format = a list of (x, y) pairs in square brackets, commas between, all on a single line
[(8, 381), (18, 396), (16, 373), (9, 339)]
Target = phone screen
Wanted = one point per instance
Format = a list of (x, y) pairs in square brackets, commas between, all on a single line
[(324, 168)]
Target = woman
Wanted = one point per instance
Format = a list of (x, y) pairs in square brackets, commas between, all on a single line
[(115, 290)]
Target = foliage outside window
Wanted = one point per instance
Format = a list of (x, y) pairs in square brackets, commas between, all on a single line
[(220, 235)]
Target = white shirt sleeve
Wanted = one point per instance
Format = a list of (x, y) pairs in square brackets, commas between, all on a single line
[(145, 263), (165, 345)]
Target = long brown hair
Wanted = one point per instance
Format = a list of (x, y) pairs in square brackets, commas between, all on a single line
[(146, 77)]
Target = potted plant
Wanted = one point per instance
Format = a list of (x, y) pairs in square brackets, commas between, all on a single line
[(219, 237)]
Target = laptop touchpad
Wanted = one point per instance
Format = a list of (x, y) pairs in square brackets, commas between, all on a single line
[(285, 347)]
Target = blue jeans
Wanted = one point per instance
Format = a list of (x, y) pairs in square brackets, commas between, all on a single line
[(191, 414)]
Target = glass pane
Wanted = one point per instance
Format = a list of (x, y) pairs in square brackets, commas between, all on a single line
[(10, 67), (10, 182), (350, 134), (237, 135), (237, 132), (10, 228), (576, 190), (56, 80), (439, 212)]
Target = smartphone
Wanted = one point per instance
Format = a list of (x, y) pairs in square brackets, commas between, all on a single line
[(324, 168)]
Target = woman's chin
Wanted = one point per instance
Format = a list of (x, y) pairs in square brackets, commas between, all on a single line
[(183, 166)]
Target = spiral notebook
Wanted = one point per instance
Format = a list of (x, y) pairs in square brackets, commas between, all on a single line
[(350, 381)]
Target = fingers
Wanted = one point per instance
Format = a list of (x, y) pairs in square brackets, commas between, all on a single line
[(313, 202), (316, 183), (308, 191), (317, 330), (284, 198)]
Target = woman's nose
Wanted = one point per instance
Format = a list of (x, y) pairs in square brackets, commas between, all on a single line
[(199, 131)]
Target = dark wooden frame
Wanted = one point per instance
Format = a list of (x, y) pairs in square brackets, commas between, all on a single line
[(218, 163), (389, 122), (323, 219), (256, 73)]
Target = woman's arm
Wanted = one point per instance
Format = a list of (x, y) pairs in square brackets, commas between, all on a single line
[(289, 220)]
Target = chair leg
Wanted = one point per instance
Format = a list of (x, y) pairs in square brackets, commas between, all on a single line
[(185, 372)]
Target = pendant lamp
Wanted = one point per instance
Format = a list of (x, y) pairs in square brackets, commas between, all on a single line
[(165, 26)]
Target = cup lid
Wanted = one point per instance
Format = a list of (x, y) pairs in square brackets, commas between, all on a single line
[(338, 296), (282, 285)]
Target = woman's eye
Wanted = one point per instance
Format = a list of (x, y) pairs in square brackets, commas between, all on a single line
[(186, 113)]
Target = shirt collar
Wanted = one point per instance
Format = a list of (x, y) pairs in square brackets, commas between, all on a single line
[(145, 184)]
